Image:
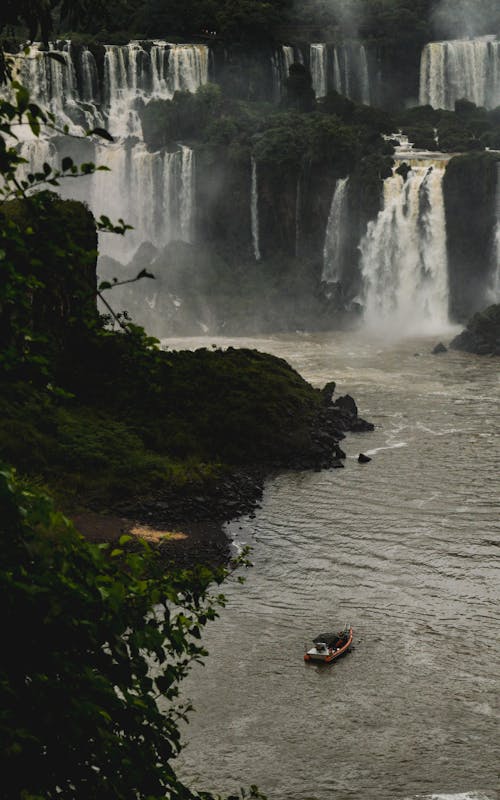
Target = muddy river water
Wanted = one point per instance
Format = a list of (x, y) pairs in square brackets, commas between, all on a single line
[(405, 548)]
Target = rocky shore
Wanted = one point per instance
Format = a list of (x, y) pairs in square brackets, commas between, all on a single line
[(482, 334), (188, 525)]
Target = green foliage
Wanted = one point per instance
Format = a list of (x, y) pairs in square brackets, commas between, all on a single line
[(291, 138), (468, 127), (231, 20), (97, 642)]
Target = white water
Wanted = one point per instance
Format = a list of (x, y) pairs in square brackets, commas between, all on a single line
[(152, 191), (348, 73), (364, 77), (254, 210), (335, 234), (319, 68), (466, 68), (403, 256), (281, 62), (298, 213), (494, 292)]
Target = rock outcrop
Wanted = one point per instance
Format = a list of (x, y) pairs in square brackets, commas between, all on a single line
[(482, 334)]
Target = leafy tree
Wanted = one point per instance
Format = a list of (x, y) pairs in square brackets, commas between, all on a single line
[(97, 638), (96, 642)]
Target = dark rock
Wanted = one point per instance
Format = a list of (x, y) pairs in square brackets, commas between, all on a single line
[(327, 392), (339, 453), (362, 426), (439, 348), (337, 464), (347, 404), (482, 335), (363, 459)]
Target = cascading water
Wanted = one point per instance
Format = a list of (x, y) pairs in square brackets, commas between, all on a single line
[(298, 213), (494, 292), (468, 68), (281, 62), (133, 74), (343, 68), (318, 56), (335, 237), (403, 255), (364, 76), (254, 210)]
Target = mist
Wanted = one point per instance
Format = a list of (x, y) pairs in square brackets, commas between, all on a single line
[(461, 18), (347, 14)]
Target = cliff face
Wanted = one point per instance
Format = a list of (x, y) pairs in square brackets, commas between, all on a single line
[(470, 186)]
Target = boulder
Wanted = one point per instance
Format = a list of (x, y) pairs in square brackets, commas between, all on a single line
[(482, 335), (347, 404), (327, 392), (439, 348), (362, 459)]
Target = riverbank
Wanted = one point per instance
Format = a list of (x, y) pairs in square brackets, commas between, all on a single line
[(188, 524)]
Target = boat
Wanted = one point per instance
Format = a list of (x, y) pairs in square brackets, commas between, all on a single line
[(329, 646)]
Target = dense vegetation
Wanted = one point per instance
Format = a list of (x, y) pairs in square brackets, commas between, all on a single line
[(394, 25), (96, 642), (97, 639)]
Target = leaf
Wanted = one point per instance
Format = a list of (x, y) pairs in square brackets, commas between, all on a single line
[(104, 285), (23, 98), (102, 132)]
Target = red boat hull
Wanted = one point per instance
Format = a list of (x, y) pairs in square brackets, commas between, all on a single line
[(333, 654)]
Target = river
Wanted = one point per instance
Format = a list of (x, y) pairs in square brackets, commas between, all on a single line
[(405, 548)]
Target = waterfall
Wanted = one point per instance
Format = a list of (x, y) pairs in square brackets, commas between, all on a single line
[(364, 77), (318, 55), (468, 68), (298, 213), (403, 256), (153, 191), (254, 210), (186, 193), (343, 68), (337, 73), (494, 291), (335, 236), (281, 61)]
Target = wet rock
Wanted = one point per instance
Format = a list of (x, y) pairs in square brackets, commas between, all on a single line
[(362, 426), (327, 392), (339, 453), (482, 335), (439, 348), (347, 404), (364, 459)]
